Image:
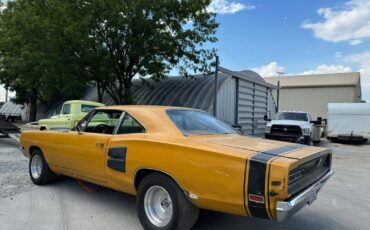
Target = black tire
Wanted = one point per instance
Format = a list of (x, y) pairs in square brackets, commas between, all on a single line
[(46, 176), (308, 141), (185, 214)]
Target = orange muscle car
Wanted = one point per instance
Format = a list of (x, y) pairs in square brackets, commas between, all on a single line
[(177, 161)]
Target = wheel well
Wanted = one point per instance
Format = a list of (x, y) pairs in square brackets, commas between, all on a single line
[(43, 128), (33, 148), (142, 173)]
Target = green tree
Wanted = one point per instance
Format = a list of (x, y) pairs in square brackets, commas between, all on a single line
[(52, 47), (39, 51), (145, 38)]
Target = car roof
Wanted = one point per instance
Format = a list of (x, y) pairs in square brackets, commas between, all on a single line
[(84, 102), (142, 107), (153, 118)]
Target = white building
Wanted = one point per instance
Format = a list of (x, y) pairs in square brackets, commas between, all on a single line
[(312, 93)]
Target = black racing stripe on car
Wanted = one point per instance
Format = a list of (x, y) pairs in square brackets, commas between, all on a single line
[(284, 150), (256, 184), (257, 175)]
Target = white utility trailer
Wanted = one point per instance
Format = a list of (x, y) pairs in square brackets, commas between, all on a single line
[(348, 122)]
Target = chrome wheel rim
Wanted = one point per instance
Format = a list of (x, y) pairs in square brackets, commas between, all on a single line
[(158, 206), (36, 166)]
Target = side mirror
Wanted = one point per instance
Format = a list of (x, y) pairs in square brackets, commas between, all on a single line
[(79, 127), (266, 118), (319, 120)]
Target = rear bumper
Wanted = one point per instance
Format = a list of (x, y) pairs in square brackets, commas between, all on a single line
[(285, 209)]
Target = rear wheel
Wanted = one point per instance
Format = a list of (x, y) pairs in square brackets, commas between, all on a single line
[(161, 204), (39, 170)]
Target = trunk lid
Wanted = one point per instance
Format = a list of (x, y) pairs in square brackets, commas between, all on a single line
[(275, 148)]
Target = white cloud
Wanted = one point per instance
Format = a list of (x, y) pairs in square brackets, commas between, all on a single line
[(269, 70), (362, 60), (349, 24), (355, 42), (323, 69), (273, 68), (227, 7)]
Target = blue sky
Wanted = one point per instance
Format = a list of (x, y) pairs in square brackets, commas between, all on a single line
[(272, 31), (297, 37), (294, 36)]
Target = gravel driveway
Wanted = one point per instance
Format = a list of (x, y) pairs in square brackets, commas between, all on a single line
[(13, 170)]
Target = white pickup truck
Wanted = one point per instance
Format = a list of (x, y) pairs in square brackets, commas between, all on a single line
[(292, 126)]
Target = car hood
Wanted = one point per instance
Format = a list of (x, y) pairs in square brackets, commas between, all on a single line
[(288, 122), (42, 121)]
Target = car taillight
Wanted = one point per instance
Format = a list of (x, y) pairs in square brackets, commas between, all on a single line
[(257, 198)]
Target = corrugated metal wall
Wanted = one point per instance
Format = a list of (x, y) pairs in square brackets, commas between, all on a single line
[(226, 101), (11, 108), (252, 106), (260, 109), (242, 98), (314, 100)]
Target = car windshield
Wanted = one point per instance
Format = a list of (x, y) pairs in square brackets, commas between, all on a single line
[(191, 122), (291, 116)]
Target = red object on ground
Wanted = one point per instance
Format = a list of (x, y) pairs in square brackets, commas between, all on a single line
[(85, 186)]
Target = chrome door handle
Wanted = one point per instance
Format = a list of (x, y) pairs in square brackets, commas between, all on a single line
[(100, 145)]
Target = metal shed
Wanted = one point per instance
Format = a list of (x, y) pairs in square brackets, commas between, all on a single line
[(312, 93), (9, 108), (243, 97)]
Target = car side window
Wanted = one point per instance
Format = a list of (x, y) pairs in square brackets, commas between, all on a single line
[(66, 109), (103, 121), (130, 125)]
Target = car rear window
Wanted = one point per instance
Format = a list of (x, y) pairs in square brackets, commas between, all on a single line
[(87, 108), (193, 122)]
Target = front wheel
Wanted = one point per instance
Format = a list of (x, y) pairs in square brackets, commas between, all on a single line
[(39, 170), (161, 204)]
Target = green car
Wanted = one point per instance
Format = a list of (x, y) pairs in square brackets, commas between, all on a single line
[(70, 114)]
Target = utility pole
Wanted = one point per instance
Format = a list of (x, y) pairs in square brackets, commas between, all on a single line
[(216, 88), (278, 90), (6, 94)]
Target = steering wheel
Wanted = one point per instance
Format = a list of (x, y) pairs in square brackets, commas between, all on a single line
[(102, 127)]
